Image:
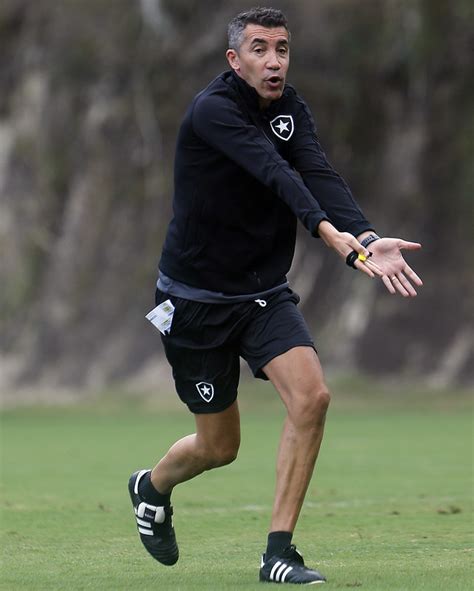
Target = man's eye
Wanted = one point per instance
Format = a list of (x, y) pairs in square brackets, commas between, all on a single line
[(283, 50), (258, 50)]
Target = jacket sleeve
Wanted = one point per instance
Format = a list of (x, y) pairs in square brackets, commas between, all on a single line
[(219, 122), (325, 184)]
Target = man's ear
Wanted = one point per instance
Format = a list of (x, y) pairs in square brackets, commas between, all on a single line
[(233, 59)]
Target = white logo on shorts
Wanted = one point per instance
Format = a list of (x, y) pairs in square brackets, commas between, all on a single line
[(206, 391)]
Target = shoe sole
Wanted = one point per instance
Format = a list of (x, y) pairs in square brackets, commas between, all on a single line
[(285, 583)]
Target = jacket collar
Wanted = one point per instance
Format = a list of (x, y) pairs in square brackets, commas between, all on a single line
[(249, 94)]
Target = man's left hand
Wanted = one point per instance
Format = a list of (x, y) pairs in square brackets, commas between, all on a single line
[(397, 275)]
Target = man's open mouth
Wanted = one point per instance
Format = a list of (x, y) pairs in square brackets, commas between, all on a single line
[(274, 81)]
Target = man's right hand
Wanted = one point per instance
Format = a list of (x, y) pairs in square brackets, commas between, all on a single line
[(344, 243)]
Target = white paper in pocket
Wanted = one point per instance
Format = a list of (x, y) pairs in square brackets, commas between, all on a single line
[(162, 316)]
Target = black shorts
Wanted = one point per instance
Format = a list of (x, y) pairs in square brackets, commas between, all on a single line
[(206, 341)]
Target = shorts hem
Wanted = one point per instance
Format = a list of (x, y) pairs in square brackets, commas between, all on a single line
[(258, 372), (211, 409)]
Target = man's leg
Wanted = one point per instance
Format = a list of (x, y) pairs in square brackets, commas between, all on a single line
[(297, 375), (215, 443)]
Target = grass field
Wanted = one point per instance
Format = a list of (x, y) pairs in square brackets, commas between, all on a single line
[(390, 506)]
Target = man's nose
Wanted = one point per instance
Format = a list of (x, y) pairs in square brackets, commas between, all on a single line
[(273, 63)]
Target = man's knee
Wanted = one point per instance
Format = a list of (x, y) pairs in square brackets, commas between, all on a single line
[(218, 437), (226, 455), (219, 453), (310, 406), (323, 398), (222, 456)]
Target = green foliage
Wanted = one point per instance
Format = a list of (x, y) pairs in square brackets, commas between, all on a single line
[(388, 509)]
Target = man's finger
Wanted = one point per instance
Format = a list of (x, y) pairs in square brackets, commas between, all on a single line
[(399, 287), (412, 275), (407, 285), (374, 267), (363, 267), (388, 284), (404, 244)]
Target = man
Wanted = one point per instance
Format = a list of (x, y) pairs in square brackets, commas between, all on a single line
[(248, 165)]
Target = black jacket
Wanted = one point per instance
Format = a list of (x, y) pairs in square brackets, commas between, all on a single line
[(242, 178)]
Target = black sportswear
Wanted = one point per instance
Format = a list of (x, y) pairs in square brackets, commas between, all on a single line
[(206, 341), (243, 176)]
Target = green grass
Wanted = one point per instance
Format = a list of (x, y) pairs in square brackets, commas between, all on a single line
[(390, 506)]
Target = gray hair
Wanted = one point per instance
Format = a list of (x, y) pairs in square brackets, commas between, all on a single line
[(266, 17)]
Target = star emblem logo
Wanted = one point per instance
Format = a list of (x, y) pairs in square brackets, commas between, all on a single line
[(206, 391), (283, 127)]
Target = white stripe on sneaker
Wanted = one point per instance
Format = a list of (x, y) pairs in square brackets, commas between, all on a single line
[(140, 474), (145, 532), (160, 514), (140, 511), (144, 523), (283, 576), (279, 571), (142, 507), (272, 572)]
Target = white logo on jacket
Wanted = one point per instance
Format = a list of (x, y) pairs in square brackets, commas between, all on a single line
[(206, 391), (283, 127)]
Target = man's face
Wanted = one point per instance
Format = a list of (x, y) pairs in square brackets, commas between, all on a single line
[(262, 61)]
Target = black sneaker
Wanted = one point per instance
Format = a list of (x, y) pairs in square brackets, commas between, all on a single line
[(155, 524), (289, 567)]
